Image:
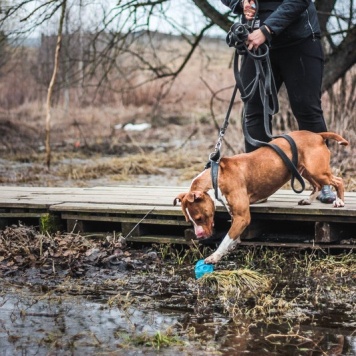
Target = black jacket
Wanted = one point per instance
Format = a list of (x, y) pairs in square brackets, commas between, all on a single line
[(291, 21)]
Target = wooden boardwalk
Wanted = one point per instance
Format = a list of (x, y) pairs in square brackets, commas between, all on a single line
[(147, 214)]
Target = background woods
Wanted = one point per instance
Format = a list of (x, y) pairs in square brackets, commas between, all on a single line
[(161, 62)]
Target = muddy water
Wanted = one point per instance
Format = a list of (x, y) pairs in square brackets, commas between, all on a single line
[(31, 324), (111, 312)]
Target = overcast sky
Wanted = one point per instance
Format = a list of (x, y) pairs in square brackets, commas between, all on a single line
[(182, 12)]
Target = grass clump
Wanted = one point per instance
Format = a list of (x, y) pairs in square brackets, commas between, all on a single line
[(157, 341), (236, 282)]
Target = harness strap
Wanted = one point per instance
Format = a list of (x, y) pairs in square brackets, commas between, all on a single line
[(214, 177), (291, 164), (268, 91)]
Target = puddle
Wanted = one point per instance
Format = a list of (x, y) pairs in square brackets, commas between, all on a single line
[(53, 321), (33, 324)]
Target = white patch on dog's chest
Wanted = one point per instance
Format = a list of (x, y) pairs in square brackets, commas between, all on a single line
[(221, 198)]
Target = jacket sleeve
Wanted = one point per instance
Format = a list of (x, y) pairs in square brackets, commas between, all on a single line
[(285, 14), (234, 5)]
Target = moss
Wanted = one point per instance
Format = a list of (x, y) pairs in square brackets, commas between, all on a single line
[(49, 223)]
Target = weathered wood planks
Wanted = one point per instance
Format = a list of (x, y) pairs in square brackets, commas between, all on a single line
[(122, 207)]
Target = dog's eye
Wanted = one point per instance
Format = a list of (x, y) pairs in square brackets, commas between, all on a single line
[(198, 219)]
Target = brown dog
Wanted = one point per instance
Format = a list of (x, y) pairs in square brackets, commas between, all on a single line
[(247, 178)]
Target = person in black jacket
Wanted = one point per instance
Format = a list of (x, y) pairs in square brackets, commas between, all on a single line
[(292, 31)]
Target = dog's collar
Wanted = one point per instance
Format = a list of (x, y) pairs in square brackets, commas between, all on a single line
[(214, 178)]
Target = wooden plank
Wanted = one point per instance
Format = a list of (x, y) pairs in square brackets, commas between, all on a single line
[(112, 218), (129, 204), (314, 209), (323, 232), (326, 232), (255, 229), (21, 215), (299, 245), (125, 195), (303, 217), (128, 190), (158, 239), (117, 208)]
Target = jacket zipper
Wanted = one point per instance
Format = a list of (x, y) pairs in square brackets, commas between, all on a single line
[(311, 27)]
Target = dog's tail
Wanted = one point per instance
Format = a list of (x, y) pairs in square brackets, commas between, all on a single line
[(333, 136)]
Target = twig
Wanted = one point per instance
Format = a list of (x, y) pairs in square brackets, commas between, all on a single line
[(135, 143), (74, 227), (303, 338), (188, 138), (197, 248), (133, 229)]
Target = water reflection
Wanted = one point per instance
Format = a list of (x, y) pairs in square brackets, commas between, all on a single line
[(36, 325), (39, 324)]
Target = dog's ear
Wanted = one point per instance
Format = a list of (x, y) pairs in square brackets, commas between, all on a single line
[(179, 198), (193, 196)]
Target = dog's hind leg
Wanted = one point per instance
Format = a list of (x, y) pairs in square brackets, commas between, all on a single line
[(316, 189), (328, 179), (313, 195), (338, 184)]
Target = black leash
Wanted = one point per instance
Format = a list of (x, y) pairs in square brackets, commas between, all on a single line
[(265, 82), (214, 157), (268, 91)]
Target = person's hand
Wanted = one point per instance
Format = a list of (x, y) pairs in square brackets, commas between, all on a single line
[(255, 39), (249, 7)]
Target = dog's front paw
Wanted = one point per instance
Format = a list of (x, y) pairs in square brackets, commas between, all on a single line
[(214, 258), (338, 203), (304, 202)]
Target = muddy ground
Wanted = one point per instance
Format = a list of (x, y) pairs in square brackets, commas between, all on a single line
[(65, 294)]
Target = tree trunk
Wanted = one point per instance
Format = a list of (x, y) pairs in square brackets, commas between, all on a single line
[(51, 85), (210, 12), (340, 60), (324, 7)]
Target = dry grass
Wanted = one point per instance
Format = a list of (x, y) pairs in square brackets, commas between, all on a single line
[(183, 132), (241, 282)]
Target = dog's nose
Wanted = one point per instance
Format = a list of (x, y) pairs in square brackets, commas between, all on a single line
[(200, 235)]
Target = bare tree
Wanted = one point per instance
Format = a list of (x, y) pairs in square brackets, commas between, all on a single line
[(340, 57), (52, 82), (127, 33)]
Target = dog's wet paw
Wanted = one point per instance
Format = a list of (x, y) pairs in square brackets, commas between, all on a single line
[(338, 203), (304, 202), (212, 259)]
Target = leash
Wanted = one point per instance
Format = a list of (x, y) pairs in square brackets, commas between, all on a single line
[(214, 157), (265, 82), (268, 91)]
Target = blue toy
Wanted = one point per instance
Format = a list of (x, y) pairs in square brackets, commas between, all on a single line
[(201, 268)]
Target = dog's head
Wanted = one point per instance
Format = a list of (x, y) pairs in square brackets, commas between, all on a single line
[(198, 208)]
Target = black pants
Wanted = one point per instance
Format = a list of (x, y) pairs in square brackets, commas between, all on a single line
[(300, 67)]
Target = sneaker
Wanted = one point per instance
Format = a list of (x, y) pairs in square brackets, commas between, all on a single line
[(326, 195)]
